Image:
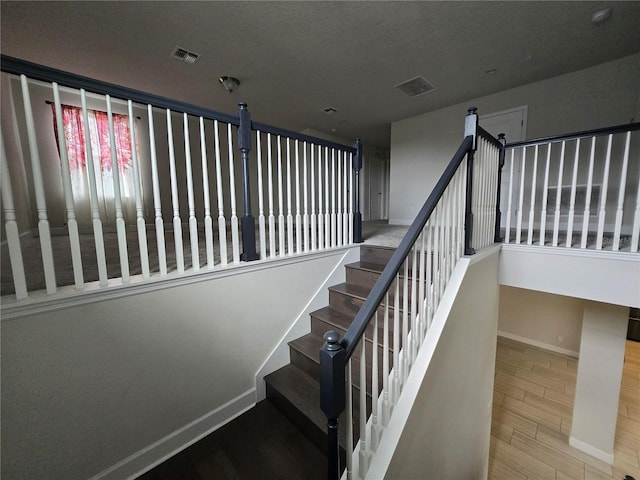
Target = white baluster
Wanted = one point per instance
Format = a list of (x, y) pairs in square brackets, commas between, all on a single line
[(406, 348), (556, 220), (305, 216), (603, 194), (572, 201), (421, 287), (507, 233), (532, 207), (333, 198), (350, 193), (72, 222), (208, 221), (177, 223), (345, 202), (281, 224), (222, 223), (413, 347), (587, 204), (327, 215), (289, 212), (193, 223), (397, 370), (521, 195), (261, 219), (11, 227), (121, 228), (545, 193), (314, 223), (338, 242), (376, 428), (140, 222), (298, 214), (623, 183), (272, 218), (429, 276), (41, 205), (364, 454), (321, 232), (157, 205), (386, 399), (235, 240)]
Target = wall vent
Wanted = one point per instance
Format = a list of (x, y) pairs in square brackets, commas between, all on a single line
[(185, 55), (415, 86), (329, 110)]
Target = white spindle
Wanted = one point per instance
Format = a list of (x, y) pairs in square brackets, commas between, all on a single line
[(235, 240), (272, 218), (177, 223), (386, 399), (532, 207), (72, 222), (193, 224), (572, 200), (339, 201), (314, 223), (298, 217), (397, 372), (289, 195), (157, 205), (281, 224), (140, 222), (545, 194), (376, 427), (38, 184), (222, 223), (429, 275), (413, 347), (603, 194), (405, 323), (507, 233), (521, 195), (11, 227), (350, 194), (333, 197), (261, 219), (305, 216), (421, 287), (327, 215), (556, 219), (321, 232), (587, 204), (364, 454), (345, 202), (623, 183), (208, 221), (121, 228)]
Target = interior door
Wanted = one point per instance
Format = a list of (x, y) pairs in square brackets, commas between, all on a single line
[(376, 177)]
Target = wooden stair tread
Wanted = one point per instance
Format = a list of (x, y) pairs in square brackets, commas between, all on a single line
[(371, 267)]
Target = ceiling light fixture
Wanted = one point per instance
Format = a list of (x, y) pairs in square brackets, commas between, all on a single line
[(601, 16), (229, 83)]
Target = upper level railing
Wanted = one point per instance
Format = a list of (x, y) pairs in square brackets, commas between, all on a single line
[(460, 216), (576, 191), (105, 185)]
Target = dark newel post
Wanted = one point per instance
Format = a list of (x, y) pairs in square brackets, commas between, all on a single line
[(357, 216), (470, 128), (497, 238), (332, 396), (248, 223)]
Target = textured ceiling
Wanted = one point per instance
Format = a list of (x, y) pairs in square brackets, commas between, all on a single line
[(294, 59)]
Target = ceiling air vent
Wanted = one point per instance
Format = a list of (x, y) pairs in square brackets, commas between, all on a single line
[(329, 110), (415, 86), (185, 55)]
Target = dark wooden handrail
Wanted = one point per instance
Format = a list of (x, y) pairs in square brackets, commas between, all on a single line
[(572, 136)]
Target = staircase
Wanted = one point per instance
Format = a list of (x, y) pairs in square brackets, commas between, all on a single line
[(294, 389)]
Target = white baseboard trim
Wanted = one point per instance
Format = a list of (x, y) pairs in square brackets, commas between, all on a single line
[(591, 450), (536, 343), (145, 459)]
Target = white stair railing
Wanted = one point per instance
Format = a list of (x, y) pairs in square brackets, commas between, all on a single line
[(170, 184), (587, 190)]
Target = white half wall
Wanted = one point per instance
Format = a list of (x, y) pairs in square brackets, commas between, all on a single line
[(109, 388), (422, 146), (446, 433)]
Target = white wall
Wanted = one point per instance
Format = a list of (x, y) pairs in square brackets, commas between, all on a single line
[(447, 432), (421, 146), (86, 387)]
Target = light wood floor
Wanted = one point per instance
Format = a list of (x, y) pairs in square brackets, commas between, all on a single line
[(532, 410)]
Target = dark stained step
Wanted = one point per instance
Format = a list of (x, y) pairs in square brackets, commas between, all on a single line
[(376, 254), (350, 298)]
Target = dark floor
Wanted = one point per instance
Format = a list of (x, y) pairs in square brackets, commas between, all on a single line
[(260, 444)]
